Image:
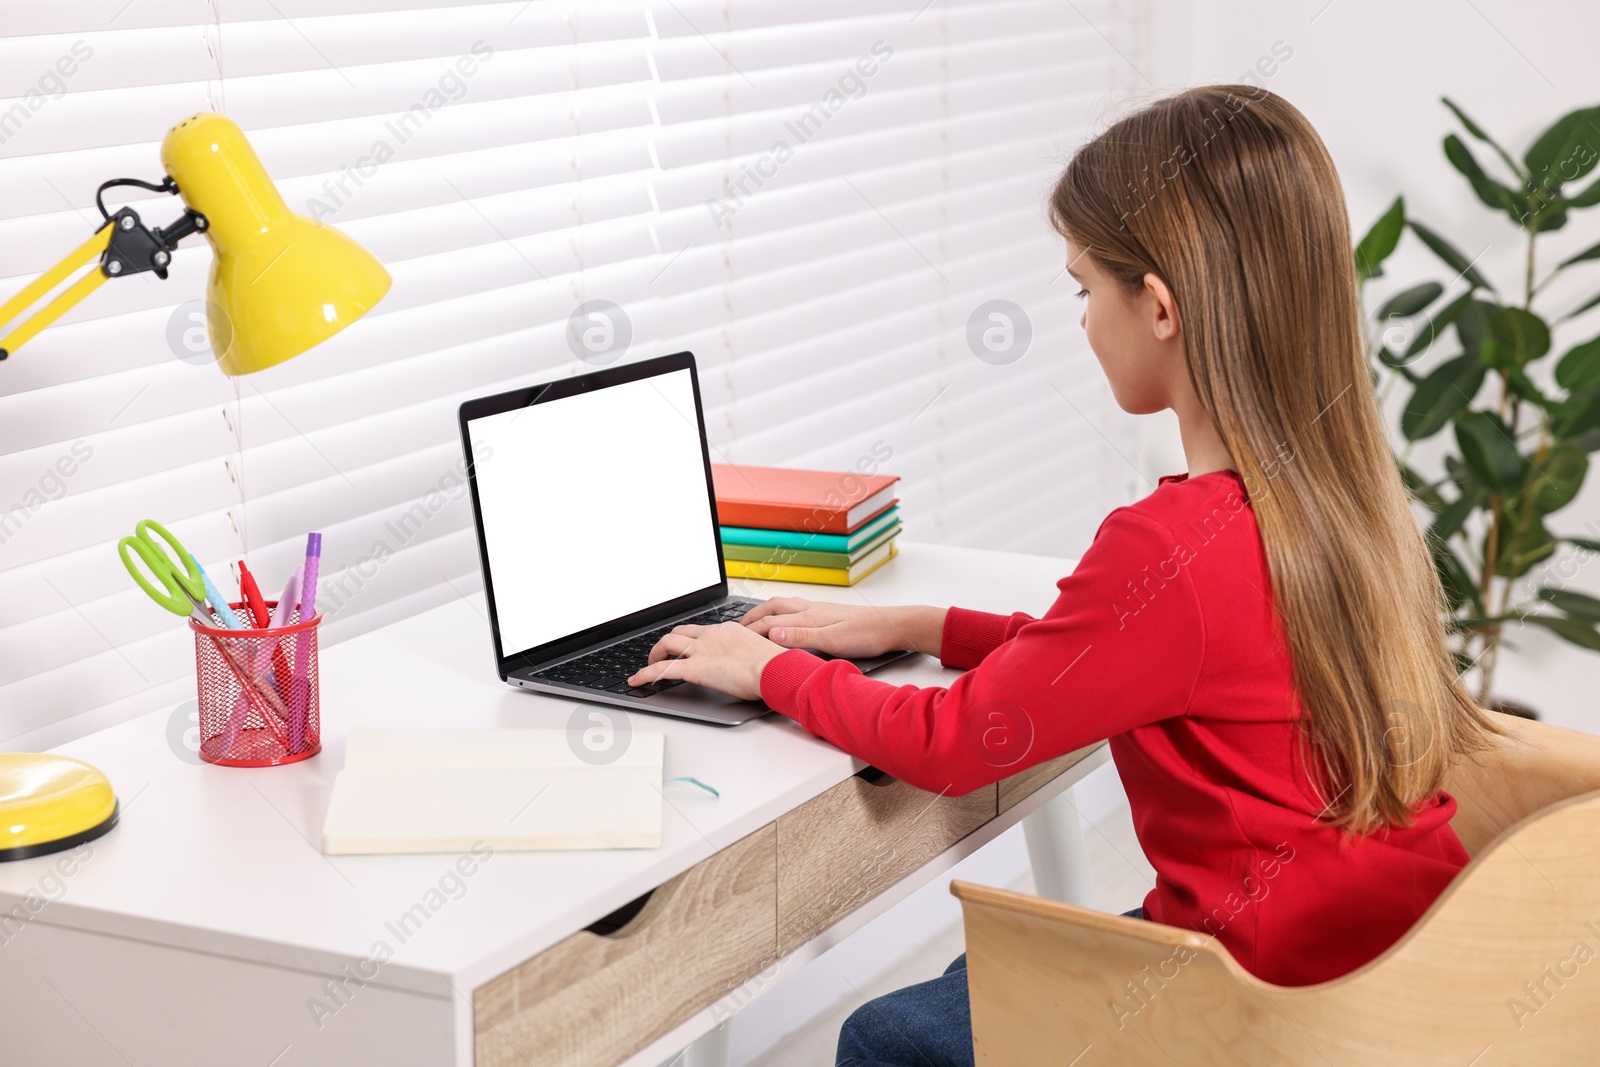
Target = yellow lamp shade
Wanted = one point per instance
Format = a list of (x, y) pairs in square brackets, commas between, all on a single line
[(51, 803), (280, 282)]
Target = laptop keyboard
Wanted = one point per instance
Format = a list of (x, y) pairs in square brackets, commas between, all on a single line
[(608, 669)]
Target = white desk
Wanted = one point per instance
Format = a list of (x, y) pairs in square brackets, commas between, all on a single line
[(206, 927)]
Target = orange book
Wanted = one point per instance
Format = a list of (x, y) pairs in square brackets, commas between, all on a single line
[(782, 498)]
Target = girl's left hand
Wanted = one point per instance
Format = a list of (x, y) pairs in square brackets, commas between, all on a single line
[(728, 657)]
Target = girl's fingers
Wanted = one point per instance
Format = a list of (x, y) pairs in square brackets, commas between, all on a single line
[(776, 605), (764, 626), (657, 670), (670, 646)]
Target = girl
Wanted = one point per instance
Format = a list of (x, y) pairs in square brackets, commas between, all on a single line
[(1259, 638)]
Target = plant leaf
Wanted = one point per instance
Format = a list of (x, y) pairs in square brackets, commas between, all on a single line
[(1567, 150), (1522, 332), (1419, 488), (1575, 631), (1396, 364), (1523, 386), (1459, 588), (1441, 396), (1519, 554), (1411, 301), (1578, 605), (1581, 308), (1437, 325), (1451, 256), (1545, 221), (1583, 543), (1592, 252), (1558, 477), (1576, 416), (1477, 131), (1585, 442), (1380, 241), (1454, 515), (1440, 322), (1472, 324), (1471, 127), (1488, 451), (1588, 197), (1491, 192), (1579, 369)]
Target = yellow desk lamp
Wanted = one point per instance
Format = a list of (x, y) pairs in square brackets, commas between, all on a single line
[(280, 283)]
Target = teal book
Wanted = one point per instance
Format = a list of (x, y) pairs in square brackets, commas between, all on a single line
[(806, 557), (747, 535)]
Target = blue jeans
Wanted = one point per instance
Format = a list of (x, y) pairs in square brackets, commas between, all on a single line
[(925, 1025)]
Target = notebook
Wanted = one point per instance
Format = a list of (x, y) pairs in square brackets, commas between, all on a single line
[(790, 572), (423, 790), (867, 531), (783, 498), (809, 557)]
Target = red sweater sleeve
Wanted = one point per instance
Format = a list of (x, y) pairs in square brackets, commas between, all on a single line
[(1120, 647), (968, 636)]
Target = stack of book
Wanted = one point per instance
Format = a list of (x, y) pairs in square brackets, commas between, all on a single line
[(821, 527)]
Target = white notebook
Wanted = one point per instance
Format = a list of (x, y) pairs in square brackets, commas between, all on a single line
[(414, 790)]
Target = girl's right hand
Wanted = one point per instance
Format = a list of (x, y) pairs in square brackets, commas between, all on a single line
[(846, 630)]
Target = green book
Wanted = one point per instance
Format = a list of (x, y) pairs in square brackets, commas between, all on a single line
[(810, 542), (808, 557)]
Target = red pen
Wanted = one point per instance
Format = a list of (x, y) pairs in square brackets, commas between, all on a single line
[(263, 618), (250, 593)]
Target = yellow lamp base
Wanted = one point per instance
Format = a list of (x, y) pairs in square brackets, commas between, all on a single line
[(50, 804)]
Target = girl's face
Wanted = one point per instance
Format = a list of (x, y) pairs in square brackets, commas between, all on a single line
[(1135, 335)]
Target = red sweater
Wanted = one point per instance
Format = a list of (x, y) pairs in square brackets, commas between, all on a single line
[(1165, 640)]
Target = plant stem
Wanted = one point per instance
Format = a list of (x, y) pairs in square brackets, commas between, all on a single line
[(1521, 502), (1490, 633)]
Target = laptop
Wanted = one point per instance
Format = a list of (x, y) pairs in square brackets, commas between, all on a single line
[(597, 529)]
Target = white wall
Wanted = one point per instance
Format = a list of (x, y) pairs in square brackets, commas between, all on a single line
[(1369, 75)]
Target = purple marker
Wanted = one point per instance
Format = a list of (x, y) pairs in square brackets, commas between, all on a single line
[(299, 708)]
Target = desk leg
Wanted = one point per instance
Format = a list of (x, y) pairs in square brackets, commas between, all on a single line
[(714, 1049), (1055, 849)]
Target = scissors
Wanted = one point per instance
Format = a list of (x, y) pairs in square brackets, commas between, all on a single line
[(185, 586), (185, 589)]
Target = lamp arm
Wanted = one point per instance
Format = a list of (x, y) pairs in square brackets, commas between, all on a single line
[(47, 281), (124, 244)]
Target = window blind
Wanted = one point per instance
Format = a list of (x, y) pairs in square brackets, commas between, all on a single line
[(822, 200)]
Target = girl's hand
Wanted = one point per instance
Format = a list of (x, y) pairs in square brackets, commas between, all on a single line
[(845, 629), (728, 657)]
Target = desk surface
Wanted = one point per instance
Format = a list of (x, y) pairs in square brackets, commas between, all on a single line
[(227, 860)]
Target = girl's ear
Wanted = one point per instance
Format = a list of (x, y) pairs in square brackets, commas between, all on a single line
[(1165, 319)]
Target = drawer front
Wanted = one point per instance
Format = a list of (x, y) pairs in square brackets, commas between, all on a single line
[(841, 849), (593, 1000), (1033, 779)]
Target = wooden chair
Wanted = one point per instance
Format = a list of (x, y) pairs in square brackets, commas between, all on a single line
[(1503, 969)]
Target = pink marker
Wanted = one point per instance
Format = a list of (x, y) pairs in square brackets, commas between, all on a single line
[(299, 708)]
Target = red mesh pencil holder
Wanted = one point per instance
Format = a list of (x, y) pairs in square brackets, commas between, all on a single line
[(259, 704)]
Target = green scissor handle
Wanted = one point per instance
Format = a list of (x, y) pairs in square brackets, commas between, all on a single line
[(180, 588)]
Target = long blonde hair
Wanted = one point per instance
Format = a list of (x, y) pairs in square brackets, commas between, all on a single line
[(1229, 196)]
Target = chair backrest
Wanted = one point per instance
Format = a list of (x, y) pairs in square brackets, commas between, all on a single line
[(1508, 957), (1539, 765)]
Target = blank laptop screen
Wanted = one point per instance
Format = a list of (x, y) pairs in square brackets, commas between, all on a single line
[(594, 506)]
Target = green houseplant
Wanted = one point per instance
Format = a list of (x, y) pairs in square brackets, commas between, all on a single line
[(1523, 426)]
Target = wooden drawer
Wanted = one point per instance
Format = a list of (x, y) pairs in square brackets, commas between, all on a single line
[(595, 999), (841, 849), (1033, 779)]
